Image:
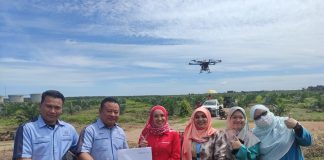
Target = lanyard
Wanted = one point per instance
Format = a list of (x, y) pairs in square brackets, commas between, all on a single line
[(198, 147)]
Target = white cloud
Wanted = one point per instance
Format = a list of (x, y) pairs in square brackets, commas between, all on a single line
[(12, 60), (152, 64), (80, 61), (149, 44)]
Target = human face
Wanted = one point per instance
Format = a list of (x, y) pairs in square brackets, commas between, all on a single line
[(237, 120), (158, 118), (200, 120), (259, 113), (109, 113), (51, 109)]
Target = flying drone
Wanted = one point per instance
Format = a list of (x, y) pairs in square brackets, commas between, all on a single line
[(204, 64)]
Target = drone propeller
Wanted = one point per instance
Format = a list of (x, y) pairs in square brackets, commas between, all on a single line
[(204, 64), (190, 63)]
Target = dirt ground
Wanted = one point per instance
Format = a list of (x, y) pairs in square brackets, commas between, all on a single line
[(133, 132)]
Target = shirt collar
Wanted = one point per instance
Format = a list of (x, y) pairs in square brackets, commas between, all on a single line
[(102, 125), (41, 122)]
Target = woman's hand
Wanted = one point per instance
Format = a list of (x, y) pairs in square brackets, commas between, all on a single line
[(236, 144), (231, 137), (290, 122), (143, 142)]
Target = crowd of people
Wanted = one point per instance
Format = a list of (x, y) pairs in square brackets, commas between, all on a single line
[(48, 138)]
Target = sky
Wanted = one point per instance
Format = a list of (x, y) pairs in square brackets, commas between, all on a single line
[(143, 47)]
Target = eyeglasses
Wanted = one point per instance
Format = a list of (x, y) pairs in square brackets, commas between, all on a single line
[(259, 116)]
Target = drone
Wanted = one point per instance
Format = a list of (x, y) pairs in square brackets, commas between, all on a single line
[(204, 64)]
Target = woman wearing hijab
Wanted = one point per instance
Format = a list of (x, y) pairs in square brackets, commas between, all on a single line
[(165, 142), (200, 140), (245, 145), (281, 137)]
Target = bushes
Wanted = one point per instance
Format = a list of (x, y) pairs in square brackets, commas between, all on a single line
[(184, 108)]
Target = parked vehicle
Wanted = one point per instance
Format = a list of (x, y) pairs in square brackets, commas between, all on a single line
[(213, 106), (222, 113), (228, 102)]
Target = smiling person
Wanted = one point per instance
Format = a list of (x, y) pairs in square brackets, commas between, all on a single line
[(103, 138), (46, 137), (201, 141), (244, 144), (157, 134), (281, 137)]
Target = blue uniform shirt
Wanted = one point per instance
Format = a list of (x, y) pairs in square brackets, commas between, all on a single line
[(102, 142), (39, 141)]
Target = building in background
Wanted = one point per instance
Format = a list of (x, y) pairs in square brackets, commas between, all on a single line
[(35, 98), (16, 98), (1, 99)]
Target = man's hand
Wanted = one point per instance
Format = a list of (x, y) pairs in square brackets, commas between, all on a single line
[(85, 156)]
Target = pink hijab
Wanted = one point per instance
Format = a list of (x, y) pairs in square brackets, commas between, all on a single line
[(191, 133), (150, 128)]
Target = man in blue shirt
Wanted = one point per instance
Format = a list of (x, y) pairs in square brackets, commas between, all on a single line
[(102, 139), (46, 137)]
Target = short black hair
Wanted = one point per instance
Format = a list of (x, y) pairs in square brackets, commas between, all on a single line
[(52, 93), (108, 99)]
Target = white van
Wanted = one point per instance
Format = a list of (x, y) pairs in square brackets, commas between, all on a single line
[(213, 106)]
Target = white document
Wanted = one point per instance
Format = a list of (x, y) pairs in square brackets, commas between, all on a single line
[(144, 153)]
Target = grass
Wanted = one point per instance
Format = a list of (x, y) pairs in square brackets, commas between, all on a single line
[(7, 121), (219, 124), (315, 158), (135, 112), (8, 124), (81, 117), (302, 114)]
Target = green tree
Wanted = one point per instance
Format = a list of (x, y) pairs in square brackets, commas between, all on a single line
[(259, 99), (245, 100), (169, 104), (185, 108), (26, 112), (281, 107)]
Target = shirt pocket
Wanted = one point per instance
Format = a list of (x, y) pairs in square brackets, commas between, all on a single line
[(42, 146), (66, 138), (101, 142), (119, 142)]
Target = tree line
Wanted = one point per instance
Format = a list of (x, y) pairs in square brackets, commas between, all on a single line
[(280, 102)]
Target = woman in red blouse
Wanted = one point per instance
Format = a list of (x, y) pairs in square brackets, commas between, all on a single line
[(157, 134)]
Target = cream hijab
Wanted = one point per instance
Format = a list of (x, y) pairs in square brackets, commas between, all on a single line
[(245, 134)]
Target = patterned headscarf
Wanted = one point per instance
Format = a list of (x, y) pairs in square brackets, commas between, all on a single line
[(150, 127), (276, 139), (247, 136), (191, 133)]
